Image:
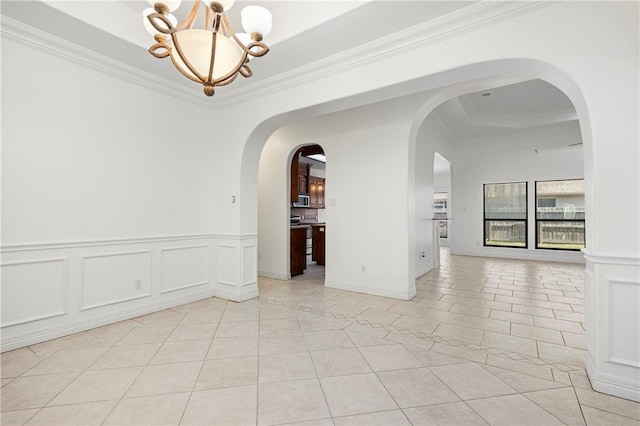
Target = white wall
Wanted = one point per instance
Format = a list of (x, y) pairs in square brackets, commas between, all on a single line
[(90, 157), (442, 180), (515, 161), (274, 204), (431, 140), (106, 198), (365, 196)]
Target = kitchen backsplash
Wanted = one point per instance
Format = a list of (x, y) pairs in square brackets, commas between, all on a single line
[(307, 215)]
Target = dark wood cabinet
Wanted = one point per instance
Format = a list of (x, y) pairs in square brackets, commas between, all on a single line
[(294, 177), (299, 177), (316, 192), (298, 250), (318, 236), (303, 178)]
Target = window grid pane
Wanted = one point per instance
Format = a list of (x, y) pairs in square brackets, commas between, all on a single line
[(560, 209), (505, 233), (505, 200), (505, 214), (556, 234)]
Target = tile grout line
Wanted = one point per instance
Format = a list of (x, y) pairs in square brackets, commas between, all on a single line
[(431, 336)]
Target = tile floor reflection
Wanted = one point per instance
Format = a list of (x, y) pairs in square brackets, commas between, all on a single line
[(485, 341)]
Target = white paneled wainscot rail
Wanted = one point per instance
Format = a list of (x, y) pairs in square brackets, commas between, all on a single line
[(53, 290)]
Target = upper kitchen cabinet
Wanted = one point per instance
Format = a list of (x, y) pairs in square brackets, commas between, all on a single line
[(301, 180), (316, 192)]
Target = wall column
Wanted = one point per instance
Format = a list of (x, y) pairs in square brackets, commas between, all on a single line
[(236, 267)]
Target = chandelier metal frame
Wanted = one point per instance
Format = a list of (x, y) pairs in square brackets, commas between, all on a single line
[(215, 21)]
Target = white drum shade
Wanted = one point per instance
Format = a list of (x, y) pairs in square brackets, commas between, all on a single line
[(196, 47)]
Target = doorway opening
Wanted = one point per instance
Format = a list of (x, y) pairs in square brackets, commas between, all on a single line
[(307, 236), (441, 205)]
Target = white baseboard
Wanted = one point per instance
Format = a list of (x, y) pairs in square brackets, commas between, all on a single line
[(406, 295), (275, 275), (424, 270), (239, 295), (522, 254), (69, 328), (622, 387)]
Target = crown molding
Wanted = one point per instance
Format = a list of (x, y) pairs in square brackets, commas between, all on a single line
[(19, 32), (514, 120), (475, 16), (531, 135)]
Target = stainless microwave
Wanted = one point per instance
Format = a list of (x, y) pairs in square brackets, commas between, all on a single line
[(303, 201)]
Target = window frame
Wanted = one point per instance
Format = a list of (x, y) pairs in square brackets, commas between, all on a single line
[(525, 220), (537, 228)]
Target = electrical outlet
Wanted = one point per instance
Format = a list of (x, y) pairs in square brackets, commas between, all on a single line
[(423, 254), (138, 284)]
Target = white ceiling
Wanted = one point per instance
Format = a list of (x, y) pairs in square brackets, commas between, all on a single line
[(499, 114), (305, 31)]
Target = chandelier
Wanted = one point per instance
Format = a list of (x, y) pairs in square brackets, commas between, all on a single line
[(215, 55)]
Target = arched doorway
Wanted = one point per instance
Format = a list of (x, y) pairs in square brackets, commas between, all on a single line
[(307, 236), (441, 205), (484, 73)]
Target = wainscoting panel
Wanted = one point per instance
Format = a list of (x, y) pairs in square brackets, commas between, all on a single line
[(33, 290), (624, 324), (184, 267), (612, 303), (51, 290), (237, 267), (249, 264), (226, 263), (113, 278)]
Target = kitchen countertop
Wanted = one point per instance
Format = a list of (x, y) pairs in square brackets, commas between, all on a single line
[(299, 226)]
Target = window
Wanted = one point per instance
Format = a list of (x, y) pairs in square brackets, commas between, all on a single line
[(505, 214), (560, 225), (440, 212)]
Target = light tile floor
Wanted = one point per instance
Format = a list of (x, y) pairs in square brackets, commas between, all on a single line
[(485, 341)]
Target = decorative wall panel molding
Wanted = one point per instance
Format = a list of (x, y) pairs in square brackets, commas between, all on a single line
[(226, 264), (101, 243), (33, 290), (612, 296), (56, 289), (184, 267), (250, 264), (624, 323), (236, 266), (107, 279), (611, 258)]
